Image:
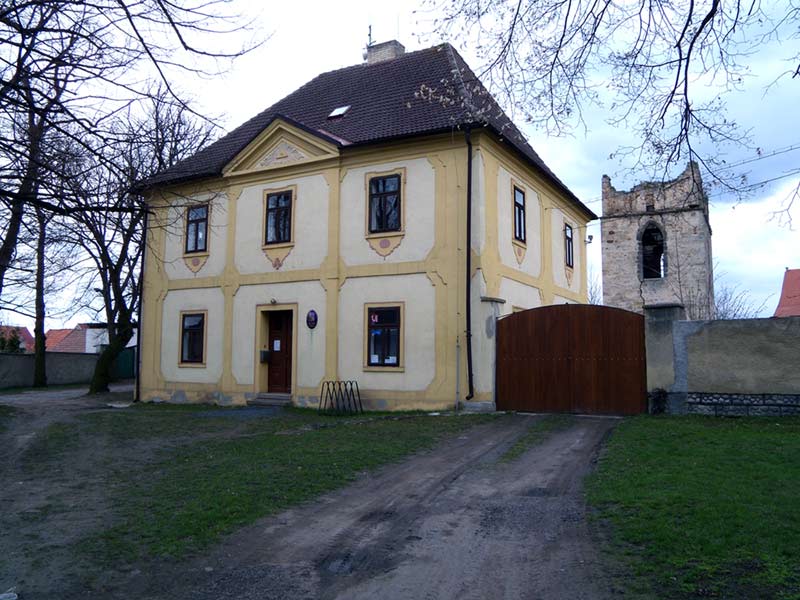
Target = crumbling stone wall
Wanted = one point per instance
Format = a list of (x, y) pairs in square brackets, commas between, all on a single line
[(680, 209)]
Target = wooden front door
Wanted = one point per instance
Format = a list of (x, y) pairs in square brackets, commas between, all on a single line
[(279, 340)]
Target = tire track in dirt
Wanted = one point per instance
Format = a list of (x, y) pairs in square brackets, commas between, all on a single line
[(450, 523)]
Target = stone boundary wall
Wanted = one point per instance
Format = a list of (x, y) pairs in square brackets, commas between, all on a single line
[(723, 367), (63, 368), (743, 405)]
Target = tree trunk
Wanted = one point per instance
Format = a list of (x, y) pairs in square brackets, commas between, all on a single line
[(39, 360), (10, 239), (117, 341)]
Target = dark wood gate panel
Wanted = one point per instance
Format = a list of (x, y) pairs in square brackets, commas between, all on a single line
[(574, 358)]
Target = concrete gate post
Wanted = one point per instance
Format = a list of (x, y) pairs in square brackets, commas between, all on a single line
[(661, 392)]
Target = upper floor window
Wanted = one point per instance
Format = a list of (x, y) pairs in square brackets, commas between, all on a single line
[(193, 339), (519, 215), (653, 252), (384, 204), (197, 228), (278, 218), (569, 248)]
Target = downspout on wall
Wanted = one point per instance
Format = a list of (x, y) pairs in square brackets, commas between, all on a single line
[(137, 392), (471, 389)]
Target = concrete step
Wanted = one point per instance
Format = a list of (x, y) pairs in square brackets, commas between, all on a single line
[(478, 407), (271, 400)]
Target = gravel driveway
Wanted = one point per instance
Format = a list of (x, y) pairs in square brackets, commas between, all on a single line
[(451, 523)]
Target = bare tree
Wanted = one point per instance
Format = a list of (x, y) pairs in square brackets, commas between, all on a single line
[(732, 302), (69, 66), (649, 62), (594, 289), (113, 240)]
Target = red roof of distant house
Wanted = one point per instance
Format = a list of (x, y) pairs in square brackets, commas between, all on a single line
[(67, 340), (54, 337), (789, 304), (25, 337)]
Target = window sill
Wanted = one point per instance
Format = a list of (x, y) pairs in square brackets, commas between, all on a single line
[(385, 234), (522, 245), (184, 365), (203, 254), (277, 245), (399, 369)]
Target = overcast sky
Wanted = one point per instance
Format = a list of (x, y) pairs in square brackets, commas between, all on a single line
[(307, 38)]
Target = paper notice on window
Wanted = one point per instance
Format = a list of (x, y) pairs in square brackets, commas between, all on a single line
[(374, 359), (391, 360), (276, 345)]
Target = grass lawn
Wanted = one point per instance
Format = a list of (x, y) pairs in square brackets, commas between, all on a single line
[(201, 476), (536, 434), (703, 507)]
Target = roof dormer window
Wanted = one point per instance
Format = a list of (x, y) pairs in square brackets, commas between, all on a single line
[(339, 112)]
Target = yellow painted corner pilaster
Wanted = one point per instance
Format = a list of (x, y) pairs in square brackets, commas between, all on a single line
[(333, 269), (230, 285)]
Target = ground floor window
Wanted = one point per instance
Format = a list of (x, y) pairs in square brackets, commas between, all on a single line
[(384, 335), (193, 339)]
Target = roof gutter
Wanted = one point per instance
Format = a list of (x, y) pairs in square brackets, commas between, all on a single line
[(468, 138)]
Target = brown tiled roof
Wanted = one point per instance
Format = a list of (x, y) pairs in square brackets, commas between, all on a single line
[(53, 337), (789, 304), (418, 93), (73, 341), (25, 337)]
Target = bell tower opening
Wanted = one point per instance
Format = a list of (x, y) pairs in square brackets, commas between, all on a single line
[(653, 252)]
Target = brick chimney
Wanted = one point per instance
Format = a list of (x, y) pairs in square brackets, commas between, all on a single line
[(384, 51)]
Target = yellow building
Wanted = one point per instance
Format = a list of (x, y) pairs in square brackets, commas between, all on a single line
[(327, 238)]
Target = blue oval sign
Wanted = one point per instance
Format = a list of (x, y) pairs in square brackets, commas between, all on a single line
[(311, 319)]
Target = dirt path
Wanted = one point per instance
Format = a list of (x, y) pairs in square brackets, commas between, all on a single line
[(41, 512), (452, 523), (38, 409)]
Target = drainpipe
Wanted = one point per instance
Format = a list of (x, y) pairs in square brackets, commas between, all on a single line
[(137, 397), (468, 138)]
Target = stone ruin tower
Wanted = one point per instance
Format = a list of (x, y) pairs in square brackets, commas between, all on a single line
[(656, 244)]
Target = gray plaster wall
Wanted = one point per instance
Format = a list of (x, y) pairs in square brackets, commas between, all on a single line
[(658, 345), (722, 367), (743, 356), (16, 370)]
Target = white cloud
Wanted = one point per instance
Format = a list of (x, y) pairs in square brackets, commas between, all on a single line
[(751, 248)]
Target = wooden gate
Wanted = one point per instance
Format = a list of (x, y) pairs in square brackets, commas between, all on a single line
[(573, 358)]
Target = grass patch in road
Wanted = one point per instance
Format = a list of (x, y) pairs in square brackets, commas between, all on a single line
[(536, 434), (6, 414), (199, 492), (49, 445), (703, 507)]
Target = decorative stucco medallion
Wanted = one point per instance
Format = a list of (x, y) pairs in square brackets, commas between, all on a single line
[(569, 272), (195, 263), (283, 153), (385, 245), (277, 255), (519, 253)]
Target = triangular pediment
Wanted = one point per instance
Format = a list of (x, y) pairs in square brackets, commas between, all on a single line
[(281, 144)]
